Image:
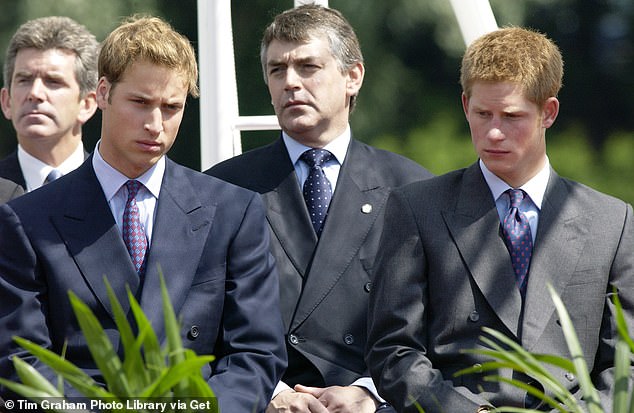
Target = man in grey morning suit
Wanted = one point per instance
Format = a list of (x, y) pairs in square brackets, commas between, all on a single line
[(324, 279), (445, 267)]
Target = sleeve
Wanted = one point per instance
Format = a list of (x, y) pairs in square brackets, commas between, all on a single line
[(621, 278), (22, 294)]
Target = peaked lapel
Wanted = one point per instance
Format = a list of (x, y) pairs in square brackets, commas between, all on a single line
[(181, 228), (475, 228), (345, 229), (286, 209), (559, 242), (93, 238)]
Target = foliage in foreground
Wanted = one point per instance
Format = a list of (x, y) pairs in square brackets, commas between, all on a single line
[(506, 353), (171, 374)]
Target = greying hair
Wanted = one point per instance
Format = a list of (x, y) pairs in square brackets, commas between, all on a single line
[(302, 23), (57, 32)]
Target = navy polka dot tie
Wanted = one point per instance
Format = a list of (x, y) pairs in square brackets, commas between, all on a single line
[(317, 189), (518, 238), (133, 231)]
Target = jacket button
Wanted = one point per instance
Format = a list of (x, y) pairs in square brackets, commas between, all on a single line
[(293, 339), (348, 339), (367, 287), (474, 316), (194, 332)]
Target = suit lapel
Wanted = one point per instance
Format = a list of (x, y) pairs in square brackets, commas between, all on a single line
[(475, 227), (559, 243), (346, 228), (93, 238), (181, 227), (286, 210)]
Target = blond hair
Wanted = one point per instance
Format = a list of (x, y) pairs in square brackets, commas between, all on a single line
[(150, 39)]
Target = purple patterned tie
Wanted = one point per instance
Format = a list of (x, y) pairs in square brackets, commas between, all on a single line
[(518, 238), (133, 231), (317, 189)]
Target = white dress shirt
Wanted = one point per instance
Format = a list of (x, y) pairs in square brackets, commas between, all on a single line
[(36, 171), (338, 147), (535, 188), (113, 184)]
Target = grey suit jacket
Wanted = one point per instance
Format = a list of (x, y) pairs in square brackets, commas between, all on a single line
[(9, 190), (444, 272), (211, 241), (324, 285)]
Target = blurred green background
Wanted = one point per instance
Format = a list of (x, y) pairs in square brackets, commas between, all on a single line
[(410, 101)]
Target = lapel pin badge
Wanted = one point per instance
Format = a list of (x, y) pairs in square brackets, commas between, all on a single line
[(366, 208)]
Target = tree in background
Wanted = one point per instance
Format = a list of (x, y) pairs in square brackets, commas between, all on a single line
[(410, 101)]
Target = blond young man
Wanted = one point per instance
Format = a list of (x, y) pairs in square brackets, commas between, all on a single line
[(209, 237)]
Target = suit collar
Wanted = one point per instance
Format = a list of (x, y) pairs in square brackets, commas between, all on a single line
[(475, 226), (559, 243), (355, 207), (181, 227), (94, 240), (92, 236), (286, 211)]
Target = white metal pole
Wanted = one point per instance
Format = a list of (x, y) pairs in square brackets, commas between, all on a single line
[(219, 139), (475, 18)]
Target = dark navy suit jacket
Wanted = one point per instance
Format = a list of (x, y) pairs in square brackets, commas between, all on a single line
[(211, 240)]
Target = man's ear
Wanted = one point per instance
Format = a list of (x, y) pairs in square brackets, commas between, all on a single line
[(88, 107), (550, 111), (355, 79), (5, 100), (103, 92)]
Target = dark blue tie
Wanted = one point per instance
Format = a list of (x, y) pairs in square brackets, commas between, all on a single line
[(518, 238), (53, 175), (317, 189)]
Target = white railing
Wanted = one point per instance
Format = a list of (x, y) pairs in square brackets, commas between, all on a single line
[(220, 121)]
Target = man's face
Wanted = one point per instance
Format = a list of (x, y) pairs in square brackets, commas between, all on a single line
[(309, 93), (507, 130), (44, 102), (141, 115)]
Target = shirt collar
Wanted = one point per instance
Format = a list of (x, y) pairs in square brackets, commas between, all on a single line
[(535, 187), (111, 179), (338, 146), (36, 171)]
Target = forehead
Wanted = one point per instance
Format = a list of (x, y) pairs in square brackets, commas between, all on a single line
[(50, 59), (315, 46), (503, 93), (153, 79)]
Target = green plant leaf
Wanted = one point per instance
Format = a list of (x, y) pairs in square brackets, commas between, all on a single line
[(101, 348), (154, 356), (622, 371), (176, 374), (32, 378)]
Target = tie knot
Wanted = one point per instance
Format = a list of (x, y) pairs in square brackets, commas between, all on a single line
[(516, 196), (133, 187), (316, 157), (53, 175)]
